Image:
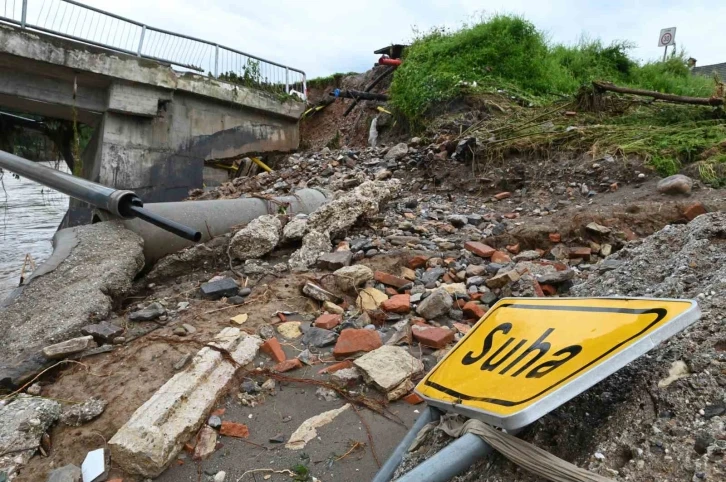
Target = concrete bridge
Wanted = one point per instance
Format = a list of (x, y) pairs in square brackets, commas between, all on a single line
[(154, 127)]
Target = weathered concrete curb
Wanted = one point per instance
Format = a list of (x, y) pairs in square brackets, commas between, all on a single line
[(156, 432)]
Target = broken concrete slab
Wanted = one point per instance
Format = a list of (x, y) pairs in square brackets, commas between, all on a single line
[(388, 366), (351, 277), (307, 430), (80, 413), (256, 239), (150, 440), (23, 421), (69, 347), (91, 266), (314, 245), (295, 229)]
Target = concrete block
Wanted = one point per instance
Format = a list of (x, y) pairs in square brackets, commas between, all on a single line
[(156, 432)]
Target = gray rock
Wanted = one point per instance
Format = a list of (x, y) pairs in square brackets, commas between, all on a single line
[(182, 361), (236, 300), (556, 277), (598, 228), (609, 265), (319, 337), (677, 184), (256, 239), (315, 244), (476, 281), (214, 421), (502, 280), (245, 292), (526, 256), (81, 413), (266, 331), (475, 270), (351, 277), (67, 473), (433, 275), (317, 293), (335, 260), (225, 287), (295, 229), (457, 220), (151, 312), (397, 152), (103, 331), (23, 421), (69, 347), (438, 303)]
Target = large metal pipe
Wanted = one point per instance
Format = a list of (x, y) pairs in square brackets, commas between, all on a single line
[(120, 203), (213, 218), (454, 459), (385, 473)]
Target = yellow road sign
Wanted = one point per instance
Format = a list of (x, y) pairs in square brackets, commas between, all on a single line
[(527, 356)]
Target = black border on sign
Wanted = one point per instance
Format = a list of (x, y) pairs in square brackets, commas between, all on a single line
[(659, 312)]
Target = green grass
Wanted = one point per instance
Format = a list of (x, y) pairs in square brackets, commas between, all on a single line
[(509, 51), (329, 80)]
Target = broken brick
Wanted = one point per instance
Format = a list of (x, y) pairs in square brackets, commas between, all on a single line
[(555, 237), (272, 348), (352, 342), (397, 304), (336, 366), (580, 252), (510, 215), (288, 365), (537, 289), (328, 321), (513, 248), (390, 280), (548, 290), (500, 258), (233, 429), (460, 303), (474, 310), (433, 337), (462, 328), (413, 399), (479, 249), (391, 291), (502, 195), (418, 261), (694, 210)]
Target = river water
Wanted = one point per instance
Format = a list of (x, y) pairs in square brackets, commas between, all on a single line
[(29, 216)]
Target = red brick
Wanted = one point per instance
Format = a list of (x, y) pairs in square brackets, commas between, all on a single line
[(537, 289), (549, 290), (513, 248), (629, 234), (501, 258), (580, 252), (475, 297), (694, 210), (288, 365), (555, 238), (274, 350), (397, 304), (418, 261), (479, 249), (474, 310), (510, 215), (336, 366), (413, 399), (391, 291), (460, 303), (462, 328), (352, 342), (233, 429), (390, 280), (328, 321), (447, 278), (433, 337), (502, 195)]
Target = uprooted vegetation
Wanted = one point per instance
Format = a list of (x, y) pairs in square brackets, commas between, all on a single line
[(530, 96)]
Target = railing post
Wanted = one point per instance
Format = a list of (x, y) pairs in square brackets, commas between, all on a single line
[(216, 60), (141, 40), (287, 80), (305, 86), (24, 14)]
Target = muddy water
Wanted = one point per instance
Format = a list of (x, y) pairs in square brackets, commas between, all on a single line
[(29, 216)]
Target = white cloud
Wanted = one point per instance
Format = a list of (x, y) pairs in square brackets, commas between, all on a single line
[(326, 36)]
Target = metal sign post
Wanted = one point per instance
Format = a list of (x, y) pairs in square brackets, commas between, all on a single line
[(528, 356), (667, 37)]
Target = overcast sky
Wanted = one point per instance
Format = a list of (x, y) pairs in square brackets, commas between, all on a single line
[(324, 36)]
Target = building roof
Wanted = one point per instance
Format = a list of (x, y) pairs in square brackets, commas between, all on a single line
[(708, 70)]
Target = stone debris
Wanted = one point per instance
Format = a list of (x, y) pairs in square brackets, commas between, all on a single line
[(314, 245), (256, 239), (290, 330), (103, 332), (150, 313), (369, 299), (82, 413), (352, 342), (676, 184), (149, 441), (67, 473), (351, 277), (69, 347), (317, 293), (206, 443), (437, 304), (335, 260), (307, 430), (295, 229), (224, 287), (388, 366), (23, 421)]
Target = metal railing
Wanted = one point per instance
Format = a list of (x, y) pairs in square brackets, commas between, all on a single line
[(83, 23)]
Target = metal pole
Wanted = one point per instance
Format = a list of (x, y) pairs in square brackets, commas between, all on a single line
[(305, 86), (141, 40), (216, 60), (24, 14), (454, 459), (665, 52), (287, 80), (385, 473)]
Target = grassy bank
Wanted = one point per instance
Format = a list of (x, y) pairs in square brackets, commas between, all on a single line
[(508, 56)]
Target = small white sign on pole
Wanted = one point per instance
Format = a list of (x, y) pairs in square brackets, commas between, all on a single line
[(667, 37)]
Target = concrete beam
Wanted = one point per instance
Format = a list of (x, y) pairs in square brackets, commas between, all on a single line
[(156, 432)]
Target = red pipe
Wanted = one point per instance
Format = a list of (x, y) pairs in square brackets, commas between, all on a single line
[(389, 61)]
